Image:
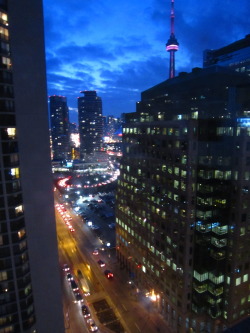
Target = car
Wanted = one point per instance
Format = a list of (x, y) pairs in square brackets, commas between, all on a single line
[(85, 311), (66, 267), (78, 297), (95, 252), (108, 274), (74, 286), (92, 325), (69, 277), (101, 263)]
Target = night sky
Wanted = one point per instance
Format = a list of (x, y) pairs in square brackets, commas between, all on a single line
[(117, 47)]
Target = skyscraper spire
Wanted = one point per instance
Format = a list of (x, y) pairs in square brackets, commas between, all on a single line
[(172, 45)]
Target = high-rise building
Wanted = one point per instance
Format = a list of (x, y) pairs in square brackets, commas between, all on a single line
[(90, 123), (235, 55), (59, 123), (111, 125), (30, 291), (182, 211)]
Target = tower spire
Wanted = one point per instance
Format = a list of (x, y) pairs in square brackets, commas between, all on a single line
[(172, 45)]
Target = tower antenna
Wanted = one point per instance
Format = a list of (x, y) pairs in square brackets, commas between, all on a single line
[(172, 45)]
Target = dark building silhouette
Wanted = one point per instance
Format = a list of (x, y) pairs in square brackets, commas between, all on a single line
[(182, 212), (235, 56), (90, 123), (59, 122), (30, 291)]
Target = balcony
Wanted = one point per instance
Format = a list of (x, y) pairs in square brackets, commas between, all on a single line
[(219, 242), (220, 230), (200, 288)]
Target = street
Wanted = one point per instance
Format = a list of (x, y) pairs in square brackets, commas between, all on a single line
[(131, 312)]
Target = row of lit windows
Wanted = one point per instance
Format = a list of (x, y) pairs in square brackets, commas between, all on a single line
[(215, 174), (155, 130), (220, 131)]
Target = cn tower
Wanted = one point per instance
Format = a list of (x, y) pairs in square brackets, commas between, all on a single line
[(172, 45)]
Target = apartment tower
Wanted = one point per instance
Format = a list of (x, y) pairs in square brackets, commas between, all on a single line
[(59, 123), (90, 123), (29, 273), (182, 212)]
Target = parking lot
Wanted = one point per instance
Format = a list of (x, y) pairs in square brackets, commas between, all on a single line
[(98, 213)]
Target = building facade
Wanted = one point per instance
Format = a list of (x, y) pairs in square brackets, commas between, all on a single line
[(235, 56), (30, 298), (59, 122), (90, 123), (182, 206)]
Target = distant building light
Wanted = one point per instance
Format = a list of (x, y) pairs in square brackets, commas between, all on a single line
[(244, 122)]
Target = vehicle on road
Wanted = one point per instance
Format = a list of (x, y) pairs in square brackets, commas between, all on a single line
[(66, 267), (85, 311), (78, 297), (108, 274), (92, 325), (74, 286), (69, 277), (95, 252), (101, 263)]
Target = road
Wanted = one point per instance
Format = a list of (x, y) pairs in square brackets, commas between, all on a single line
[(136, 314)]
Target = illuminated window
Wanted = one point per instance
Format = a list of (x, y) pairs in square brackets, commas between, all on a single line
[(4, 32), (6, 62), (176, 184), (27, 290), (15, 172), (238, 281), (184, 159), (4, 16), (19, 209), (245, 278), (11, 132), (183, 173), (194, 115), (21, 233), (176, 171), (3, 275)]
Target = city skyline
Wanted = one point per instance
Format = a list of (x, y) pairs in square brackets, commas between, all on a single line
[(87, 49)]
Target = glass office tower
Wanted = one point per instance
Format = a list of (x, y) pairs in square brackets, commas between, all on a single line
[(183, 213), (235, 56), (30, 293)]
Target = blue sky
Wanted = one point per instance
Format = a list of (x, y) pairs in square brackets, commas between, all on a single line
[(117, 47)]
